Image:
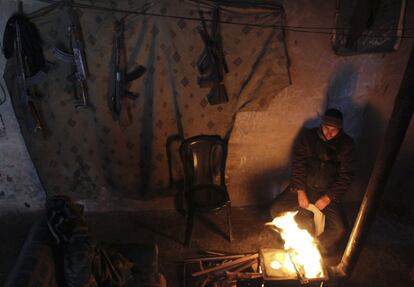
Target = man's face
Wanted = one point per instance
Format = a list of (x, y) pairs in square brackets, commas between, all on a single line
[(329, 131)]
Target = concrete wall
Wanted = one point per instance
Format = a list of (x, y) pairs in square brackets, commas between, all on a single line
[(260, 145), (20, 188), (364, 86)]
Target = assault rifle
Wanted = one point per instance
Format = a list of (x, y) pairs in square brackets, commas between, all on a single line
[(33, 119), (121, 78), (212, 63), (77, 57)]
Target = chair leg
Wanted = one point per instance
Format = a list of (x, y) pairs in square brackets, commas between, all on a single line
[(189, 228), (229, 222)]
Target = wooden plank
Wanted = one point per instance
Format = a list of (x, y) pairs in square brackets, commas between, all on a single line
[(226, 265), (216, 258)]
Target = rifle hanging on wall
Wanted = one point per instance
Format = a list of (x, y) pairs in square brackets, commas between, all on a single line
[(212, 63), (22, 40), (76, 57), (121, 78), (33, 120)]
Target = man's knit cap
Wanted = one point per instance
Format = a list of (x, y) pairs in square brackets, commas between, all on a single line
[(332, 117)]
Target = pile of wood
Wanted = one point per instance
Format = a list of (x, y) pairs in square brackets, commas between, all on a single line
[(219, 269)]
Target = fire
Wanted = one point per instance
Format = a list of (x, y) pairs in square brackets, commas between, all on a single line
[(304, 255)]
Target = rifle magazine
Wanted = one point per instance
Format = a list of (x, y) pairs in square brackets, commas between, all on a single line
[(63, 56), (35, 79)]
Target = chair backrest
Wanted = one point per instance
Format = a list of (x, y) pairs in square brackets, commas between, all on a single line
[(204, 159)]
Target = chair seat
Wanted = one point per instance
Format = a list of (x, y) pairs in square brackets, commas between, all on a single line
[(209, 197)]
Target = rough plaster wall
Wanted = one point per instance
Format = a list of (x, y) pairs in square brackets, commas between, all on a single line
[(364, 86), (20, 189)]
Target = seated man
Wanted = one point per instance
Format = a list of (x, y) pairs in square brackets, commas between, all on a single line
[(321, 174)]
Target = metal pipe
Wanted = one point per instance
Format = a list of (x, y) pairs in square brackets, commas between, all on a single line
[(394, 136)]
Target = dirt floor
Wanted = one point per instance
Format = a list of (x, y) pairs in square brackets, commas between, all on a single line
[(386, 260)]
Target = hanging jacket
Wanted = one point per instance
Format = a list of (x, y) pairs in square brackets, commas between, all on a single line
[(322, 166), (31, 43)]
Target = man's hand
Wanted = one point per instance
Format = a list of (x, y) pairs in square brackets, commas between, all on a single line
[(322, 202), (302, 198)]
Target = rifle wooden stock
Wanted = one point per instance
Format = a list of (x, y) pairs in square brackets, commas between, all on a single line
[(33, 120), (38, 123)]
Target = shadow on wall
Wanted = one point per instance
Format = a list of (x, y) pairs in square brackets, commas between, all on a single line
[(341, 94), (371, 132), (361, 122), (269, 183), (398, 197), (367, 127)]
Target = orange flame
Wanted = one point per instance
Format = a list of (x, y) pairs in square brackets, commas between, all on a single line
[(301, 247)]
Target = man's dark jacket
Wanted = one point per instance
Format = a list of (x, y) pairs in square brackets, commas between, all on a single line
[(322, 166)]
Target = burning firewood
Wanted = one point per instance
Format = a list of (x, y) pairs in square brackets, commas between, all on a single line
[(300, 260)]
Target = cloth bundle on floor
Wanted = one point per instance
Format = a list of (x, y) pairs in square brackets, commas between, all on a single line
[(83, 261)]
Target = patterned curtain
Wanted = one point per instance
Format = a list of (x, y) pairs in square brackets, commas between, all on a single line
[(86, 150)]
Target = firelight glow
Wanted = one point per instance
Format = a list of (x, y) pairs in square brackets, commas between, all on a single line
[(301, 247)]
